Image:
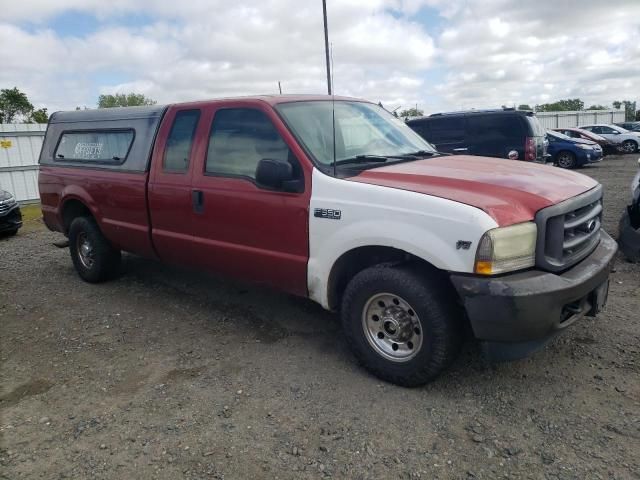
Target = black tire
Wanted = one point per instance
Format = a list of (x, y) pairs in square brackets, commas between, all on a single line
[(439, 316), (105, 260), (629, 146), (565, 159)]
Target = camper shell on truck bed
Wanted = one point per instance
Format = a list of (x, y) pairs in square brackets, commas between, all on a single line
[(131, 130), (336, 200)]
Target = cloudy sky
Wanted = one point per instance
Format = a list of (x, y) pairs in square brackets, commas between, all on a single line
[(439, 54)]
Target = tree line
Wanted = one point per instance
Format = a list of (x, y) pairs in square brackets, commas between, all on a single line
[(15, 106)]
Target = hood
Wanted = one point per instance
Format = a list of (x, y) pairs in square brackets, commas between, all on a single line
[(4, 195), (509, 191)]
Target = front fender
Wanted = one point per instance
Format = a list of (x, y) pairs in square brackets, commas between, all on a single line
[(442, 232)]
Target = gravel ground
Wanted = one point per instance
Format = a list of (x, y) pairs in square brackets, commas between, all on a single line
[(167, 373)]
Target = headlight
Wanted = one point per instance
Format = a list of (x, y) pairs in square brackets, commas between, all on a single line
[(584, 147), (506, 249), (8, 201)]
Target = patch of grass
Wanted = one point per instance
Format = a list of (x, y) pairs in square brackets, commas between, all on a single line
[(31, 212)]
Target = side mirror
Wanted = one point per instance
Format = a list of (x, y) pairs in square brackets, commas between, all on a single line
[(277, 175)]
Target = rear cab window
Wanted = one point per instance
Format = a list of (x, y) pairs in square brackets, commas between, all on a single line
[(177, 151), (95, 146)]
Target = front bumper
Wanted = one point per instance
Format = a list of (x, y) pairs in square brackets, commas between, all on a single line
[(516, 314), (11, 220)]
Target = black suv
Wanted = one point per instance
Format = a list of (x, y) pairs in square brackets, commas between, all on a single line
[(10, 216), (489, 133)]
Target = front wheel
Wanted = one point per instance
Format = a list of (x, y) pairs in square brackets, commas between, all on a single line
[(93, 256), (566, 160), (403, 326), (629, 146)]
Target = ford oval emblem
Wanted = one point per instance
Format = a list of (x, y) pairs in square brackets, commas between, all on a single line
[(591, 226)]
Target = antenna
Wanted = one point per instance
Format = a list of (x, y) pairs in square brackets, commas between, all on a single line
[(333, 114)]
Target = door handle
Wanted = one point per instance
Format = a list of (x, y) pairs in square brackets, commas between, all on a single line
[(464, 149), (197, 197)]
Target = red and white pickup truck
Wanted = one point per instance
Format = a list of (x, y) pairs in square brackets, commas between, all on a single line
[(336, 200)]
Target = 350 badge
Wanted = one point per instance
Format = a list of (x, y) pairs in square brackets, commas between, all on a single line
[(329, 213)]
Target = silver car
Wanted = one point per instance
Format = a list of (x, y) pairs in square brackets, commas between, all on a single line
[(625, 140)]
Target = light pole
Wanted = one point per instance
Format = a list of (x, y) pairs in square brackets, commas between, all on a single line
[(326, 45)]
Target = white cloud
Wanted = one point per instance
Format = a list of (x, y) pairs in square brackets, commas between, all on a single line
[(203, 49), (483, 53)]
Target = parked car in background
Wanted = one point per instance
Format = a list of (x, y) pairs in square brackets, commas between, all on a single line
[(627, 141), (10, 216), (629, 233), (567, 152), (607, 145), (505, 133), (631, 126)]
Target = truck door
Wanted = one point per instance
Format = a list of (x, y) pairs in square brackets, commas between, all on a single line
[(170, 196), (241, 228)]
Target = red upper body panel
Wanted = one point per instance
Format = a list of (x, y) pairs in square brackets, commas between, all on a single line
[(509, 191)]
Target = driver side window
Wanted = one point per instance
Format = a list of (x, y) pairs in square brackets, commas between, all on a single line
[(239, 139)]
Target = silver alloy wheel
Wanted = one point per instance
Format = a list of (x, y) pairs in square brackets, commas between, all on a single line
[(565, 160), (392, 327), (628, 146), (85, 250)]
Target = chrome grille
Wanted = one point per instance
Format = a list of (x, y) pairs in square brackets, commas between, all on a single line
[(569, 231), (5, 208)]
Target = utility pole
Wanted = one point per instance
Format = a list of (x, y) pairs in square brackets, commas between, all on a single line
[(326, 45)]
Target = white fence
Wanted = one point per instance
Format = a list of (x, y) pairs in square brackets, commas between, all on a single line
[(20, 146), (575, 119)]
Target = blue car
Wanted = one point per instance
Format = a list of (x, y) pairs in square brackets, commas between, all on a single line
[(567, 152)]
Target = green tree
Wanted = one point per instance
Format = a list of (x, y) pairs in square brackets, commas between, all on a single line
[(124, 100), (14, 103), (524, 106), (40, 116), (617, 105), (411, 112), (569, 104), (629, 110), (597, 107)]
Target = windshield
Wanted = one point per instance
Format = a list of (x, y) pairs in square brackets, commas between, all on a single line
[(362, 130)]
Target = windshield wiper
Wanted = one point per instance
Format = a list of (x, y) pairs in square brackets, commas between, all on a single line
[(422, 153), (363, 159)]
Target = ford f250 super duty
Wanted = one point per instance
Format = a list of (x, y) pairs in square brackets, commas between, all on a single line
[(336, 200)]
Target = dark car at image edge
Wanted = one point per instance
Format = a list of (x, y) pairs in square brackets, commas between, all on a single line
[(503, 133), (10, 216)]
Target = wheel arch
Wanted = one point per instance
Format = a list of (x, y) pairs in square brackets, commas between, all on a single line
[(73, 208), (353, 261)]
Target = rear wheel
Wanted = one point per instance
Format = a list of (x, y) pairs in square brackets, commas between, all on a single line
[(93, 256), (566, 160), (629, 146), (403, 326)]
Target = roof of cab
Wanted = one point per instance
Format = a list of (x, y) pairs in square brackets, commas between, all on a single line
[(153, 111)]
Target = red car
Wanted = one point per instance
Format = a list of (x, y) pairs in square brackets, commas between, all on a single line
[(607, 146)]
